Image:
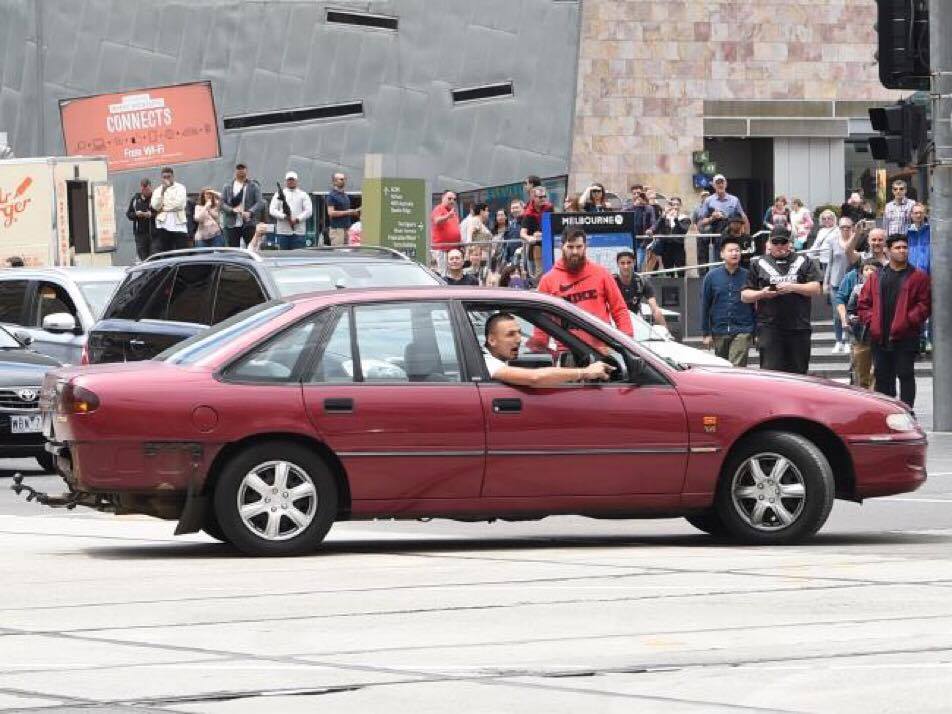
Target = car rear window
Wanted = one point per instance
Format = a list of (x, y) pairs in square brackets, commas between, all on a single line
[(238, 289), (203, 344), (144, 293), (294, 279)]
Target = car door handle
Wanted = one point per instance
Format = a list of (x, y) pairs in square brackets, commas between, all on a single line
[(339, 405), (507, 405), (137, 343)]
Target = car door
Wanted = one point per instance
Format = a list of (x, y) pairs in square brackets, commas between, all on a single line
[(390, 396), (602, 439), (50, 298)]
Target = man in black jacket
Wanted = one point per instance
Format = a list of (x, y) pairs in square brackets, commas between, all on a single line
[(143, 220)]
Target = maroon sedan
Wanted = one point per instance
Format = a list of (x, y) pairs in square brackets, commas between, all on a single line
[(366, 404)]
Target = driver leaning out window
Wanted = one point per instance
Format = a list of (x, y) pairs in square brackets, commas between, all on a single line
[(503, 340)]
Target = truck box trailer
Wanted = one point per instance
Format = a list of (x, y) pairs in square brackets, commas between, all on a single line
[(57, 211)]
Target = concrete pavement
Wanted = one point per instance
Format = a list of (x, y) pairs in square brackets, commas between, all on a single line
[(114, 614)]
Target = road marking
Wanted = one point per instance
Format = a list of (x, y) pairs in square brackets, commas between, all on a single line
[(917, 500)]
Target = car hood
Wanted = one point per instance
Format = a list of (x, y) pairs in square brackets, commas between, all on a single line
[(24, 368), (756, 378)]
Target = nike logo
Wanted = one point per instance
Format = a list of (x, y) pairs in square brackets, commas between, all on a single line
[(563, 288)]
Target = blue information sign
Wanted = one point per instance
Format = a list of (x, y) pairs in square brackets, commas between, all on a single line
[(607, 234)]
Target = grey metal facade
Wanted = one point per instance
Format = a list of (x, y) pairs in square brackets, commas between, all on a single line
[(264, 56)]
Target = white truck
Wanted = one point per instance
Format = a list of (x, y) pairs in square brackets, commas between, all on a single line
[(57, 211)]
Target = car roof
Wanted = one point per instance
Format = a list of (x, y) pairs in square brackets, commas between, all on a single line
[(305, 256), (424, 292), (75, 273)]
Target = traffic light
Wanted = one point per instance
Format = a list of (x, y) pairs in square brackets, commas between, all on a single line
[(903, 27), (904, 130)]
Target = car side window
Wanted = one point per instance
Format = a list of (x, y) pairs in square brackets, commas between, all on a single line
[(280, 358), (238, 289), (403, 342), (144, 294), (336, 364), (51, 299), (192, 291), (12, 297), (407, 342)]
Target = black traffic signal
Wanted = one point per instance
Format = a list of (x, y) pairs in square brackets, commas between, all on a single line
[(904, 130), (903, 27)]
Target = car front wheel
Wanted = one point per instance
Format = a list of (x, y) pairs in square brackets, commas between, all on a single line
[(777, 488), (275, 499)]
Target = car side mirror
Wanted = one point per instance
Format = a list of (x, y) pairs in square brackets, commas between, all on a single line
[(59, 322), (24, 338), (636, 365)]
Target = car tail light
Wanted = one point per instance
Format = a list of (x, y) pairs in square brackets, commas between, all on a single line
[(77, 400)]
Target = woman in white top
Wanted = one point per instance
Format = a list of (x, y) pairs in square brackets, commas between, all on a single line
[(801, 222), (822, 246), (842, 256)]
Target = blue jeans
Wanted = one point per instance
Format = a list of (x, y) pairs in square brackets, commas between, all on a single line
[(837, 325), (213, 242), (289, 242)]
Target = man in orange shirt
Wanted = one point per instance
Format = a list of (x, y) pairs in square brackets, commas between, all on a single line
[(585, 284), (445, 229)]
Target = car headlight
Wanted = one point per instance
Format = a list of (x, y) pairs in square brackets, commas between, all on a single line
[(902, 421)]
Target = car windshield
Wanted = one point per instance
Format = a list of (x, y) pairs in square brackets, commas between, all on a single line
[(295, 279), (8, 341), (204, 343), (97, 294), (644, 331)]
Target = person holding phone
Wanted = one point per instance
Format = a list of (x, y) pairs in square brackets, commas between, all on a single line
[(171, 223), (782, 285)]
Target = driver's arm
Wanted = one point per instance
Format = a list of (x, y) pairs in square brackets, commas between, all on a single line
[(553, 376)]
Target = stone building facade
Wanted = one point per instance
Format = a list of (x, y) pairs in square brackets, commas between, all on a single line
[(776, 90)]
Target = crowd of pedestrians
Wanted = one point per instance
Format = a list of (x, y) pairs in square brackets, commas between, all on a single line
[(760, 288), (166, 217)]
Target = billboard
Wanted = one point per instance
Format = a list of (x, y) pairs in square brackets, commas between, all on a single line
[(607, 234), (145, 127)]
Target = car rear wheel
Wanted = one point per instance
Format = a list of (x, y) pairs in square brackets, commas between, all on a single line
[(777, 488), (46, 462), (277, 498), (709, 522)]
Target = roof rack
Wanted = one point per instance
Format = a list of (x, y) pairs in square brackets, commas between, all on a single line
[(184, 252), (391, 252)]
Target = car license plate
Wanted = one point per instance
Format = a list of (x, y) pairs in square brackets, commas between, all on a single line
[(26, 424)]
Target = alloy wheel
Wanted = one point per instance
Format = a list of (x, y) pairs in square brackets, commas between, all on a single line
[(768, 492), (277, 500)]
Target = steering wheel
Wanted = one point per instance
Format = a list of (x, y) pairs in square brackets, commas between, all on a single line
[(620, 373)]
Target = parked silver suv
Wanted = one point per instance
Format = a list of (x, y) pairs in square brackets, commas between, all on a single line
[(56, 306)]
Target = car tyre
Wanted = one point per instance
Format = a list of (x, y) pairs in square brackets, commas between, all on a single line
[(46, 462), (709, 522), (777, 488), (212, 527), (275, 499)]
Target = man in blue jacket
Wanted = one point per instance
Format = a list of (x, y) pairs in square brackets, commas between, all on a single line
[(726, 322), (920, 256)]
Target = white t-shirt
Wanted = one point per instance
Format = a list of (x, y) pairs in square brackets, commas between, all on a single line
[(493, 364), (235, 188)]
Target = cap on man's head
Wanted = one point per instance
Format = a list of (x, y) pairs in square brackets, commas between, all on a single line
[(290, 175), (624, 254), (240, 166), (735, 218), (720, 177)]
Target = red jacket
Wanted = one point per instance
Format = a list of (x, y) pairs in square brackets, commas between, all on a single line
[(593, 289), (913, 307)]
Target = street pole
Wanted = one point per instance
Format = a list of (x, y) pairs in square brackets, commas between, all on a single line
[(940, 49)]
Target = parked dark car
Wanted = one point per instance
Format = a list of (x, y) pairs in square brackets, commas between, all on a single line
[(362, 404), (21, 379), (175, 295)]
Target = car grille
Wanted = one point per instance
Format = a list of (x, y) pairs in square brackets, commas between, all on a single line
[(19, 398)]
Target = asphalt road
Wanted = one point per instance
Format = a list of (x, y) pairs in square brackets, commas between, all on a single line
[(108, 613)]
